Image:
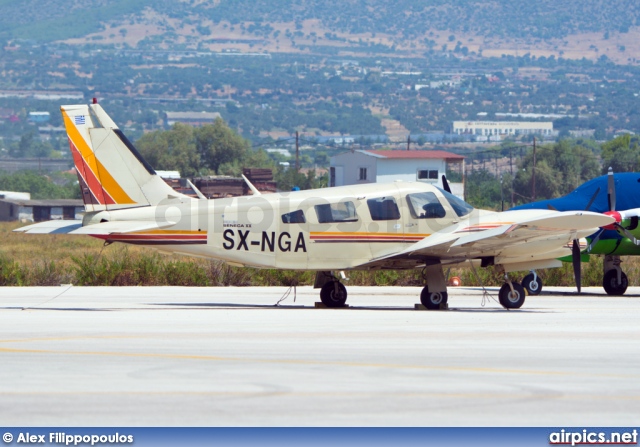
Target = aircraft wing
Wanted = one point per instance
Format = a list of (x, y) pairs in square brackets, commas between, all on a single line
[(534, 237), (105, 228)]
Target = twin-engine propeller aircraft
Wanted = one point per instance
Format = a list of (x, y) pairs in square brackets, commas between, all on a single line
[(621, 238), (374, 226)]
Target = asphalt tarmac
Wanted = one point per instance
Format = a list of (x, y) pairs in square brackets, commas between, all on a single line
[(174, 356)]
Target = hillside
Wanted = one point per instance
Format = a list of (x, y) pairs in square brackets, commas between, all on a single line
[(570, 28)]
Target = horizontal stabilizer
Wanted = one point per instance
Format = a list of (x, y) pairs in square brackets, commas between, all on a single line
[(51, 227), (105, 228), (130, 226)]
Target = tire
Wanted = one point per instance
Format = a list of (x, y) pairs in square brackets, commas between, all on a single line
[(610, 283), (511, 300), (333, 294), (532, 287), (432, 301)]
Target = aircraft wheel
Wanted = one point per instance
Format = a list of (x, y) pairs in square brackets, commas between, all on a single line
[(432, 300), (610, 283), (509, 299), (333, 294), (532, 287)]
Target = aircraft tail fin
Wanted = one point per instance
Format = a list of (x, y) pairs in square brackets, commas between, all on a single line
[(112, 173)]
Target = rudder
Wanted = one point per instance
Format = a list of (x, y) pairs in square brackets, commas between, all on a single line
[(111, 172)]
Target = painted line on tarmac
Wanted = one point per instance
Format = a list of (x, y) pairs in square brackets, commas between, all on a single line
[(313, 362)]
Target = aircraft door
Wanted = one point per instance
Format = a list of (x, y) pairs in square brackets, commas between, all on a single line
[(338, 234), (386, 230)]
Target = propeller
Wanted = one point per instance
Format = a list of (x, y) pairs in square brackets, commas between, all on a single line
[(577, 271), (593, 198), (575, 248), (445, 184), (619, 216), (611, 190)]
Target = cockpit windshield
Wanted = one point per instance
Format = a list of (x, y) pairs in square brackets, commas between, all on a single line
[(461, 207)]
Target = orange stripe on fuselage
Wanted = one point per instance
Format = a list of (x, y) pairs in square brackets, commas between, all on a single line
[(108, 183)]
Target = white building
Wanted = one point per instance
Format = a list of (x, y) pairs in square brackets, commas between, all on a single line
[(489, 128), (361, 166)]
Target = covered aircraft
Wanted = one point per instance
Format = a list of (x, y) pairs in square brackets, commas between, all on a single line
[(374, 226), (620, 239)]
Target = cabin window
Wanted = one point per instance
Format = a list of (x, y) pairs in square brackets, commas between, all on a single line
[(363, 174), (383, 208), (294, 217), (461, 207), (425, 205), (336, 212), (428, 174)]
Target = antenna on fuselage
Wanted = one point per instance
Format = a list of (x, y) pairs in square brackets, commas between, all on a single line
[(251, 187), (196, 190)]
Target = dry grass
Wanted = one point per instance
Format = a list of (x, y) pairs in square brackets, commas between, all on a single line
[(31, 260)]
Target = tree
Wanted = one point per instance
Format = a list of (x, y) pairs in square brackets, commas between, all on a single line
[(41, 186), (173, 149), (622, 154), (560, 168), (218, 144)]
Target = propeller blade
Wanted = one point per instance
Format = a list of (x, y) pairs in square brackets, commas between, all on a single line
[(577, 272), (593, 197), (611, 190), (445, 184), (595, 240), (628, 234)]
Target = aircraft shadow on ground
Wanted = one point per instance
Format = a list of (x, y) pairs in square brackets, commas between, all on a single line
[(344, 309), (73, 309), (573, 293)]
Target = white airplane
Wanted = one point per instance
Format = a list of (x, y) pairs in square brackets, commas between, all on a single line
[(367, 227)]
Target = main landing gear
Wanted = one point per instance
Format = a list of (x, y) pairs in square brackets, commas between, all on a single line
[(511, 295), (433, 300), (332, 292), (614, 281)]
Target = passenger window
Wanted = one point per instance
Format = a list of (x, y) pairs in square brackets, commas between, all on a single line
[(294, 217), (336, 212), (425, 205), (383, 208)]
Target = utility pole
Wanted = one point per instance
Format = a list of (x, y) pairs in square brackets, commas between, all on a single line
[(409, 142), (297, 152), (511, 162), (534, 169), (511, 171)]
